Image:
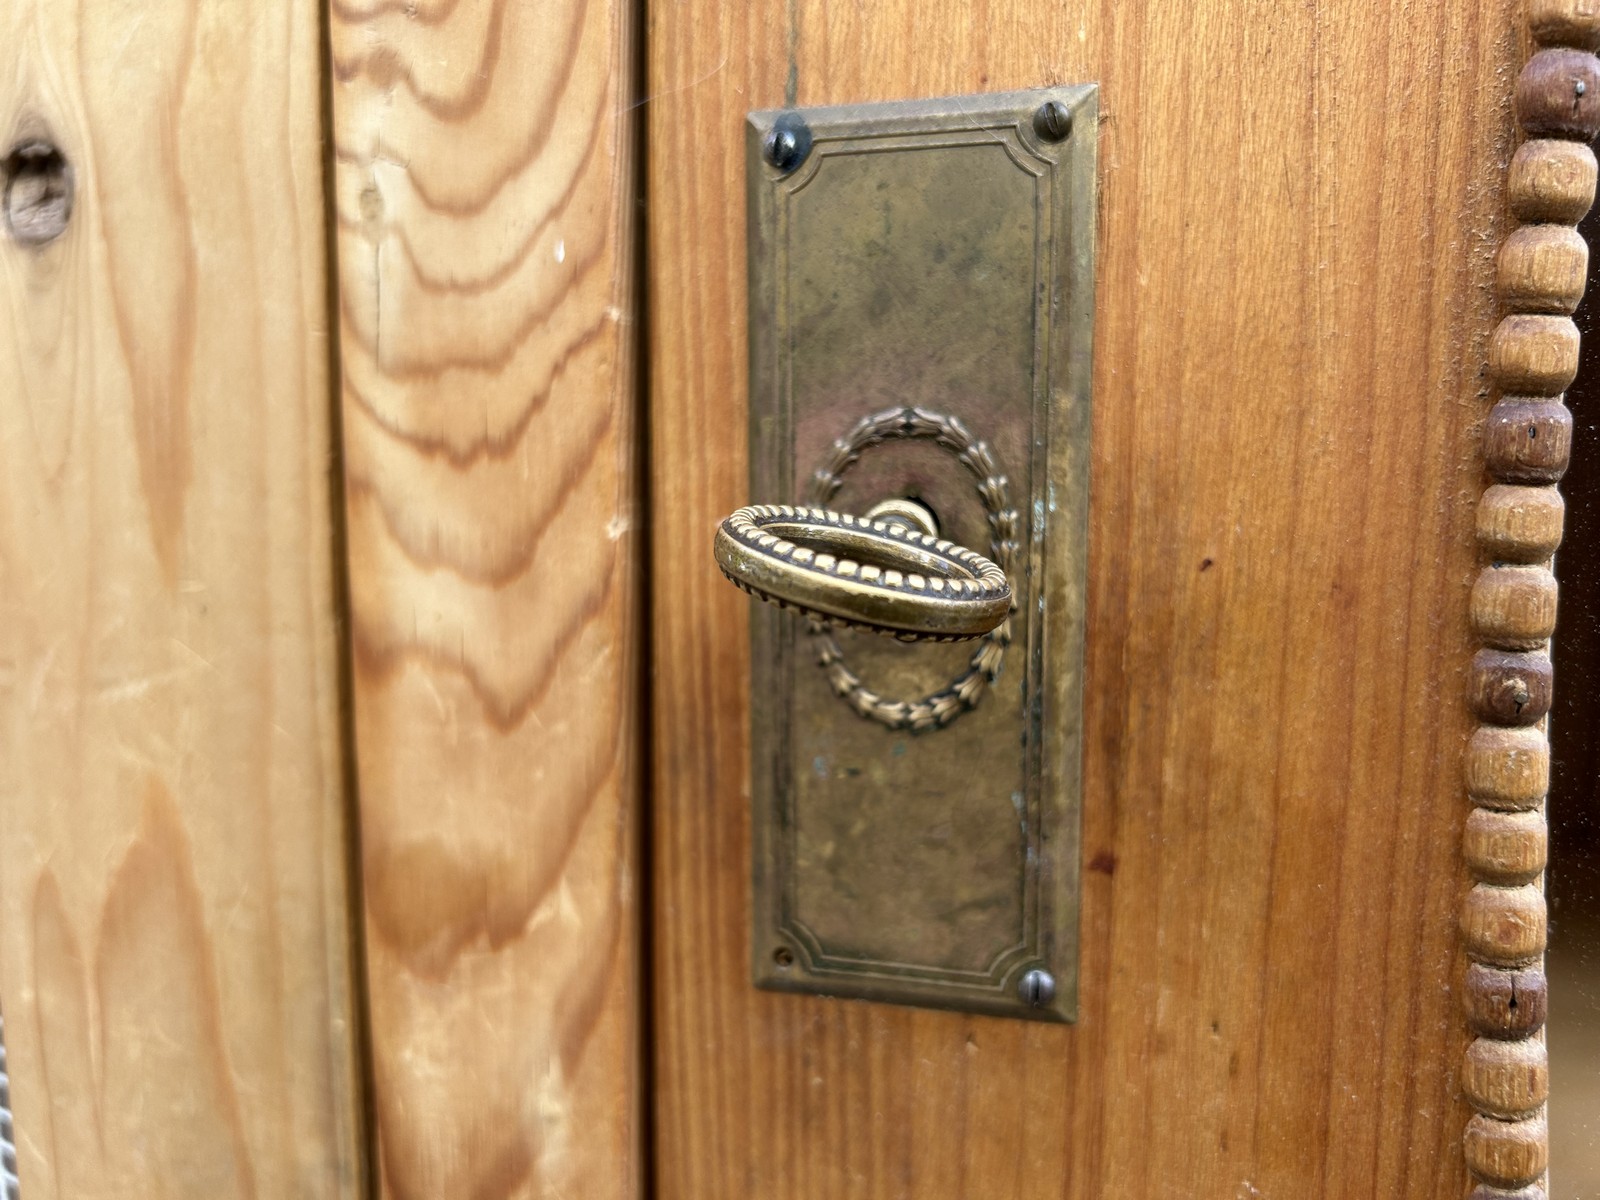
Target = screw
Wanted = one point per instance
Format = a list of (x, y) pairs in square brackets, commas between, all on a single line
[(1038, 988), (783, 149), (788, 142), (1053, 121), (1580, 87)]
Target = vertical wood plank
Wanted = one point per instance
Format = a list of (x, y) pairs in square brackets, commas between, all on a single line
[(175, 965), (483, 194), (1299, 211)]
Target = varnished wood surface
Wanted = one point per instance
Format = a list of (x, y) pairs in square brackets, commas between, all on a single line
[(174, 936), (1300, 208), (483, 228)]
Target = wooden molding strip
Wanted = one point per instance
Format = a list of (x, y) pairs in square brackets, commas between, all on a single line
[(1533, 357)]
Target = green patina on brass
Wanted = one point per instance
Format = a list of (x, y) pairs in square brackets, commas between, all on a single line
[(935, 258)]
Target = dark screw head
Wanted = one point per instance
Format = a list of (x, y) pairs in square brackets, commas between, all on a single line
[(1038, 988), (1053, 121), (788, 142)]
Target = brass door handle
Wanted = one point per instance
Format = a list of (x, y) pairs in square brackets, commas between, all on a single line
[(881, 574)]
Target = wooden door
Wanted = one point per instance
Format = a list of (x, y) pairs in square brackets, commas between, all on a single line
[(1300, 208), (374, 793)]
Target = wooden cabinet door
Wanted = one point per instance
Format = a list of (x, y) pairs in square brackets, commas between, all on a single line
[(374, 797), (1300, 208)]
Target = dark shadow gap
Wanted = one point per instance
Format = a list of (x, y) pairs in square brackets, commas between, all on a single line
[(1573, 880), (638, 110), (360, 1007)]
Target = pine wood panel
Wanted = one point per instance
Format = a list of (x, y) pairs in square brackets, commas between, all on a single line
[(1299, 208), (174, 936), (482, 198)]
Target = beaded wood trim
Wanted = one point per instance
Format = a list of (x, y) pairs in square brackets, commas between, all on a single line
[(1533, 357)]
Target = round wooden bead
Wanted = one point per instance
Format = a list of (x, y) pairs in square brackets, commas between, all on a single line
[(1551, 180), (1507, 1153), (1510, 688), (1542, 268), (1504, 926), (1505, 1004), (1514, 607), (1505, 847), (1484, 1192), (1508, 768), (1520, 524), (1558, 95), (1506, 1079), (1565, 23), (1528, 441), (1534, 354)]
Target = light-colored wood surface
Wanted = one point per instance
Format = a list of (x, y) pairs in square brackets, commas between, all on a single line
[(1300, 208), (483, 203), (174, 936)]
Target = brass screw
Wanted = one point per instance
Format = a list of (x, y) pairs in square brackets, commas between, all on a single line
[(1053, 121)]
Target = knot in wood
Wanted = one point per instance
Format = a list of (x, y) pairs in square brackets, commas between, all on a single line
[(37, 192)]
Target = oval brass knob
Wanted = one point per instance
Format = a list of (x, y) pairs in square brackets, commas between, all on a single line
[(880, 575)]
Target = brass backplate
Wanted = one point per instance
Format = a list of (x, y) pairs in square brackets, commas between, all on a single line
[(936, 256)]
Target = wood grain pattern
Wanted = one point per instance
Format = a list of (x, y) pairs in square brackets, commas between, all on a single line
[(1520, 524), (1527, 441), (1514, 607), (1505, 1004), (1506, 847), (1558, 94), (483, 205), (1300, 210), (1507, 1079), (1507, 1154), (1543, 268), (1504, 926), (1551, 181), (1534, 354), (1565, 23), (1507, 768), (174, 934)]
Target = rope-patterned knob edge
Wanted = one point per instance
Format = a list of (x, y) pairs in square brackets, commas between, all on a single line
[(814, 560)]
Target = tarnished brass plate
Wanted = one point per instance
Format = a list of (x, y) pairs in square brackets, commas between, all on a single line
[(927, 266)]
